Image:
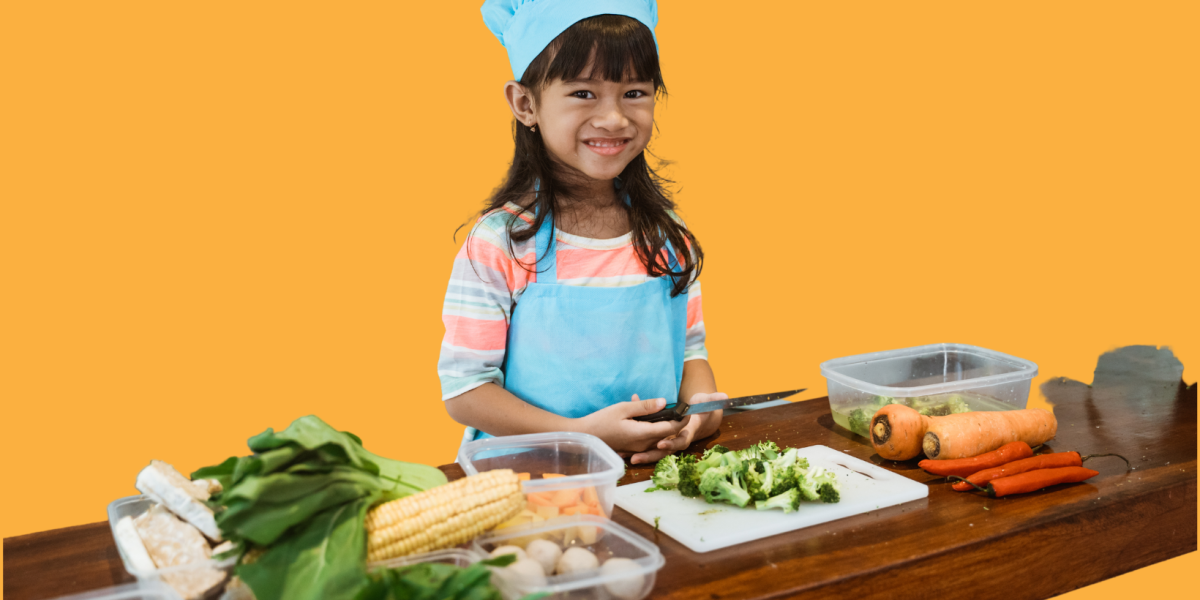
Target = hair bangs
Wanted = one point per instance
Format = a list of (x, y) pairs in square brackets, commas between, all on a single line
[(615, 47)]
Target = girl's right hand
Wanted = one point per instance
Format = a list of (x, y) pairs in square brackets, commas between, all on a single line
[(615, 425)]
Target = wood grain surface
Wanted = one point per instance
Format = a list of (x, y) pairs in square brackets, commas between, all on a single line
[(954, 545)]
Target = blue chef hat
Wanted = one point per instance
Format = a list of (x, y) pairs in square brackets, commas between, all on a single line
[(526, 27)]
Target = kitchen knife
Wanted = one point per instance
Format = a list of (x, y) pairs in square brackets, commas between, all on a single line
[(679, 410)]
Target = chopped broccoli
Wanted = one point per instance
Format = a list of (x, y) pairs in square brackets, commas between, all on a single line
[(720, 484), (733, 460), (689, 476), (788, 501), (759, 479), (666, 474), (819, 484), (718, 449), (935, 407), (860, 421)]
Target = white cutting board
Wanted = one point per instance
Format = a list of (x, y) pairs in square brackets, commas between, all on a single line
[(703, 527)]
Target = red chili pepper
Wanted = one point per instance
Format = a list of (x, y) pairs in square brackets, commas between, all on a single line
[(963, 467), (1034, 480), (1044, 461)]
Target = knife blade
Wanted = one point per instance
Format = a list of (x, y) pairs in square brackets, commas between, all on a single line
[(704, 407), (676, 412)]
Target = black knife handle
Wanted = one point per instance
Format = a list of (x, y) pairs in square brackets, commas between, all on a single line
[(669, 413)]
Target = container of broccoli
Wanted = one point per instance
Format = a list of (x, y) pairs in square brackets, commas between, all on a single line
[(936, 380)]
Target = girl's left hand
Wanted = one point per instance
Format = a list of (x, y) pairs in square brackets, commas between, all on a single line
[(691, 432)]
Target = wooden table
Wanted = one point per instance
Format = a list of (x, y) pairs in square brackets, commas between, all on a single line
[(953, 545)]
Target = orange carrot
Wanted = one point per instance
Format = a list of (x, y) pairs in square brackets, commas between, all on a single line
[(974, 433), (589, 495), (897, 430), (522, 476), (565, 498), (552, 475)]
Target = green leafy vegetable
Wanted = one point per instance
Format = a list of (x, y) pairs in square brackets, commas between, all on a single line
[(299, 502)]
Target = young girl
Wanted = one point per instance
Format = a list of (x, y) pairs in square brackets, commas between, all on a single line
[(575, 294)]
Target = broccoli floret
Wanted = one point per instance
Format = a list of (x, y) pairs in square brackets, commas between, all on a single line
[(753, 477), (666, 474), (689, 476), (788, 501), (829, 493), (860, 421), (718, 449), (819, 484), (734, 461), (721, 484), (936, 407), (767, 450)]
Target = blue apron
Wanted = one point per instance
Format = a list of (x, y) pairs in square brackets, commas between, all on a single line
[(573, 350)]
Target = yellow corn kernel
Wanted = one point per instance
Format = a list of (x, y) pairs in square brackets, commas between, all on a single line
[(389, 513), (443, 516), (456, 530)]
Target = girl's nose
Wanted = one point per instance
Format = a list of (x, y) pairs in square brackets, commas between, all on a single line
[(610, 116)]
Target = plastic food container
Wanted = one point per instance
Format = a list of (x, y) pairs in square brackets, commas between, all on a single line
[(584, 462), (604, 538), (937, 379), (136, 505), (142, 590), (459, 557)]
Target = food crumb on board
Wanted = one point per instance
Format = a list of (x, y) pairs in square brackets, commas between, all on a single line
[(986, 508)]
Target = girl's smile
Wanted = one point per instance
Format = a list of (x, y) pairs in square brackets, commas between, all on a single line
[(607, 146)]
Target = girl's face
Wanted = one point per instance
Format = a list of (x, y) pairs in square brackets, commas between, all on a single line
[(595, 126)]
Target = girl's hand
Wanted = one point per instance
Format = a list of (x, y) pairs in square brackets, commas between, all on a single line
[(615, 425), (701, 426)]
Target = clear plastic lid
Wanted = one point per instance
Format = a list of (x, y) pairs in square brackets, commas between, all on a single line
[(927, 370), (459, 557), (583, 459), (142, 590)]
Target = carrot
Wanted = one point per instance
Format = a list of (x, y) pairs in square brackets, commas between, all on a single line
[(522, 476), (973, 433), (966, 466), (897, 431), (565, 498), (1032, 481), (552, 475), (1044, 461)]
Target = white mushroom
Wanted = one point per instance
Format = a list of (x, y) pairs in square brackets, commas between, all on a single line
[(526, 573), (545, 552), (627, 582), (502, 550), (576, 559)]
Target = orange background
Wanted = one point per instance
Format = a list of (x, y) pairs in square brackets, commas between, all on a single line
[(220, 216)]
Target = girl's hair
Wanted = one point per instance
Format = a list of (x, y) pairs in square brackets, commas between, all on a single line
[(622, 49)]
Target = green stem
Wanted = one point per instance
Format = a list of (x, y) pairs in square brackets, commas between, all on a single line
[(1127, 465), (956, 478)]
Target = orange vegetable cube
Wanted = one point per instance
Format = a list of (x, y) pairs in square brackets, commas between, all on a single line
[(522, 476), (590, 496), (552, 475), (563, 498)]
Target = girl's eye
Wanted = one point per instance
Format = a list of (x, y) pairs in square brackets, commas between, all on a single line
[(584, 94), (635, 94)]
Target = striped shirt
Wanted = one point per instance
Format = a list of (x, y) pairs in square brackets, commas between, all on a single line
[(489, 277)]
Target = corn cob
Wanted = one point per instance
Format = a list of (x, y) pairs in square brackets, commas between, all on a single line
[(444, 516)]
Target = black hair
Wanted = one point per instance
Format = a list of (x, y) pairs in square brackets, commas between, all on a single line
[(618, 48)]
